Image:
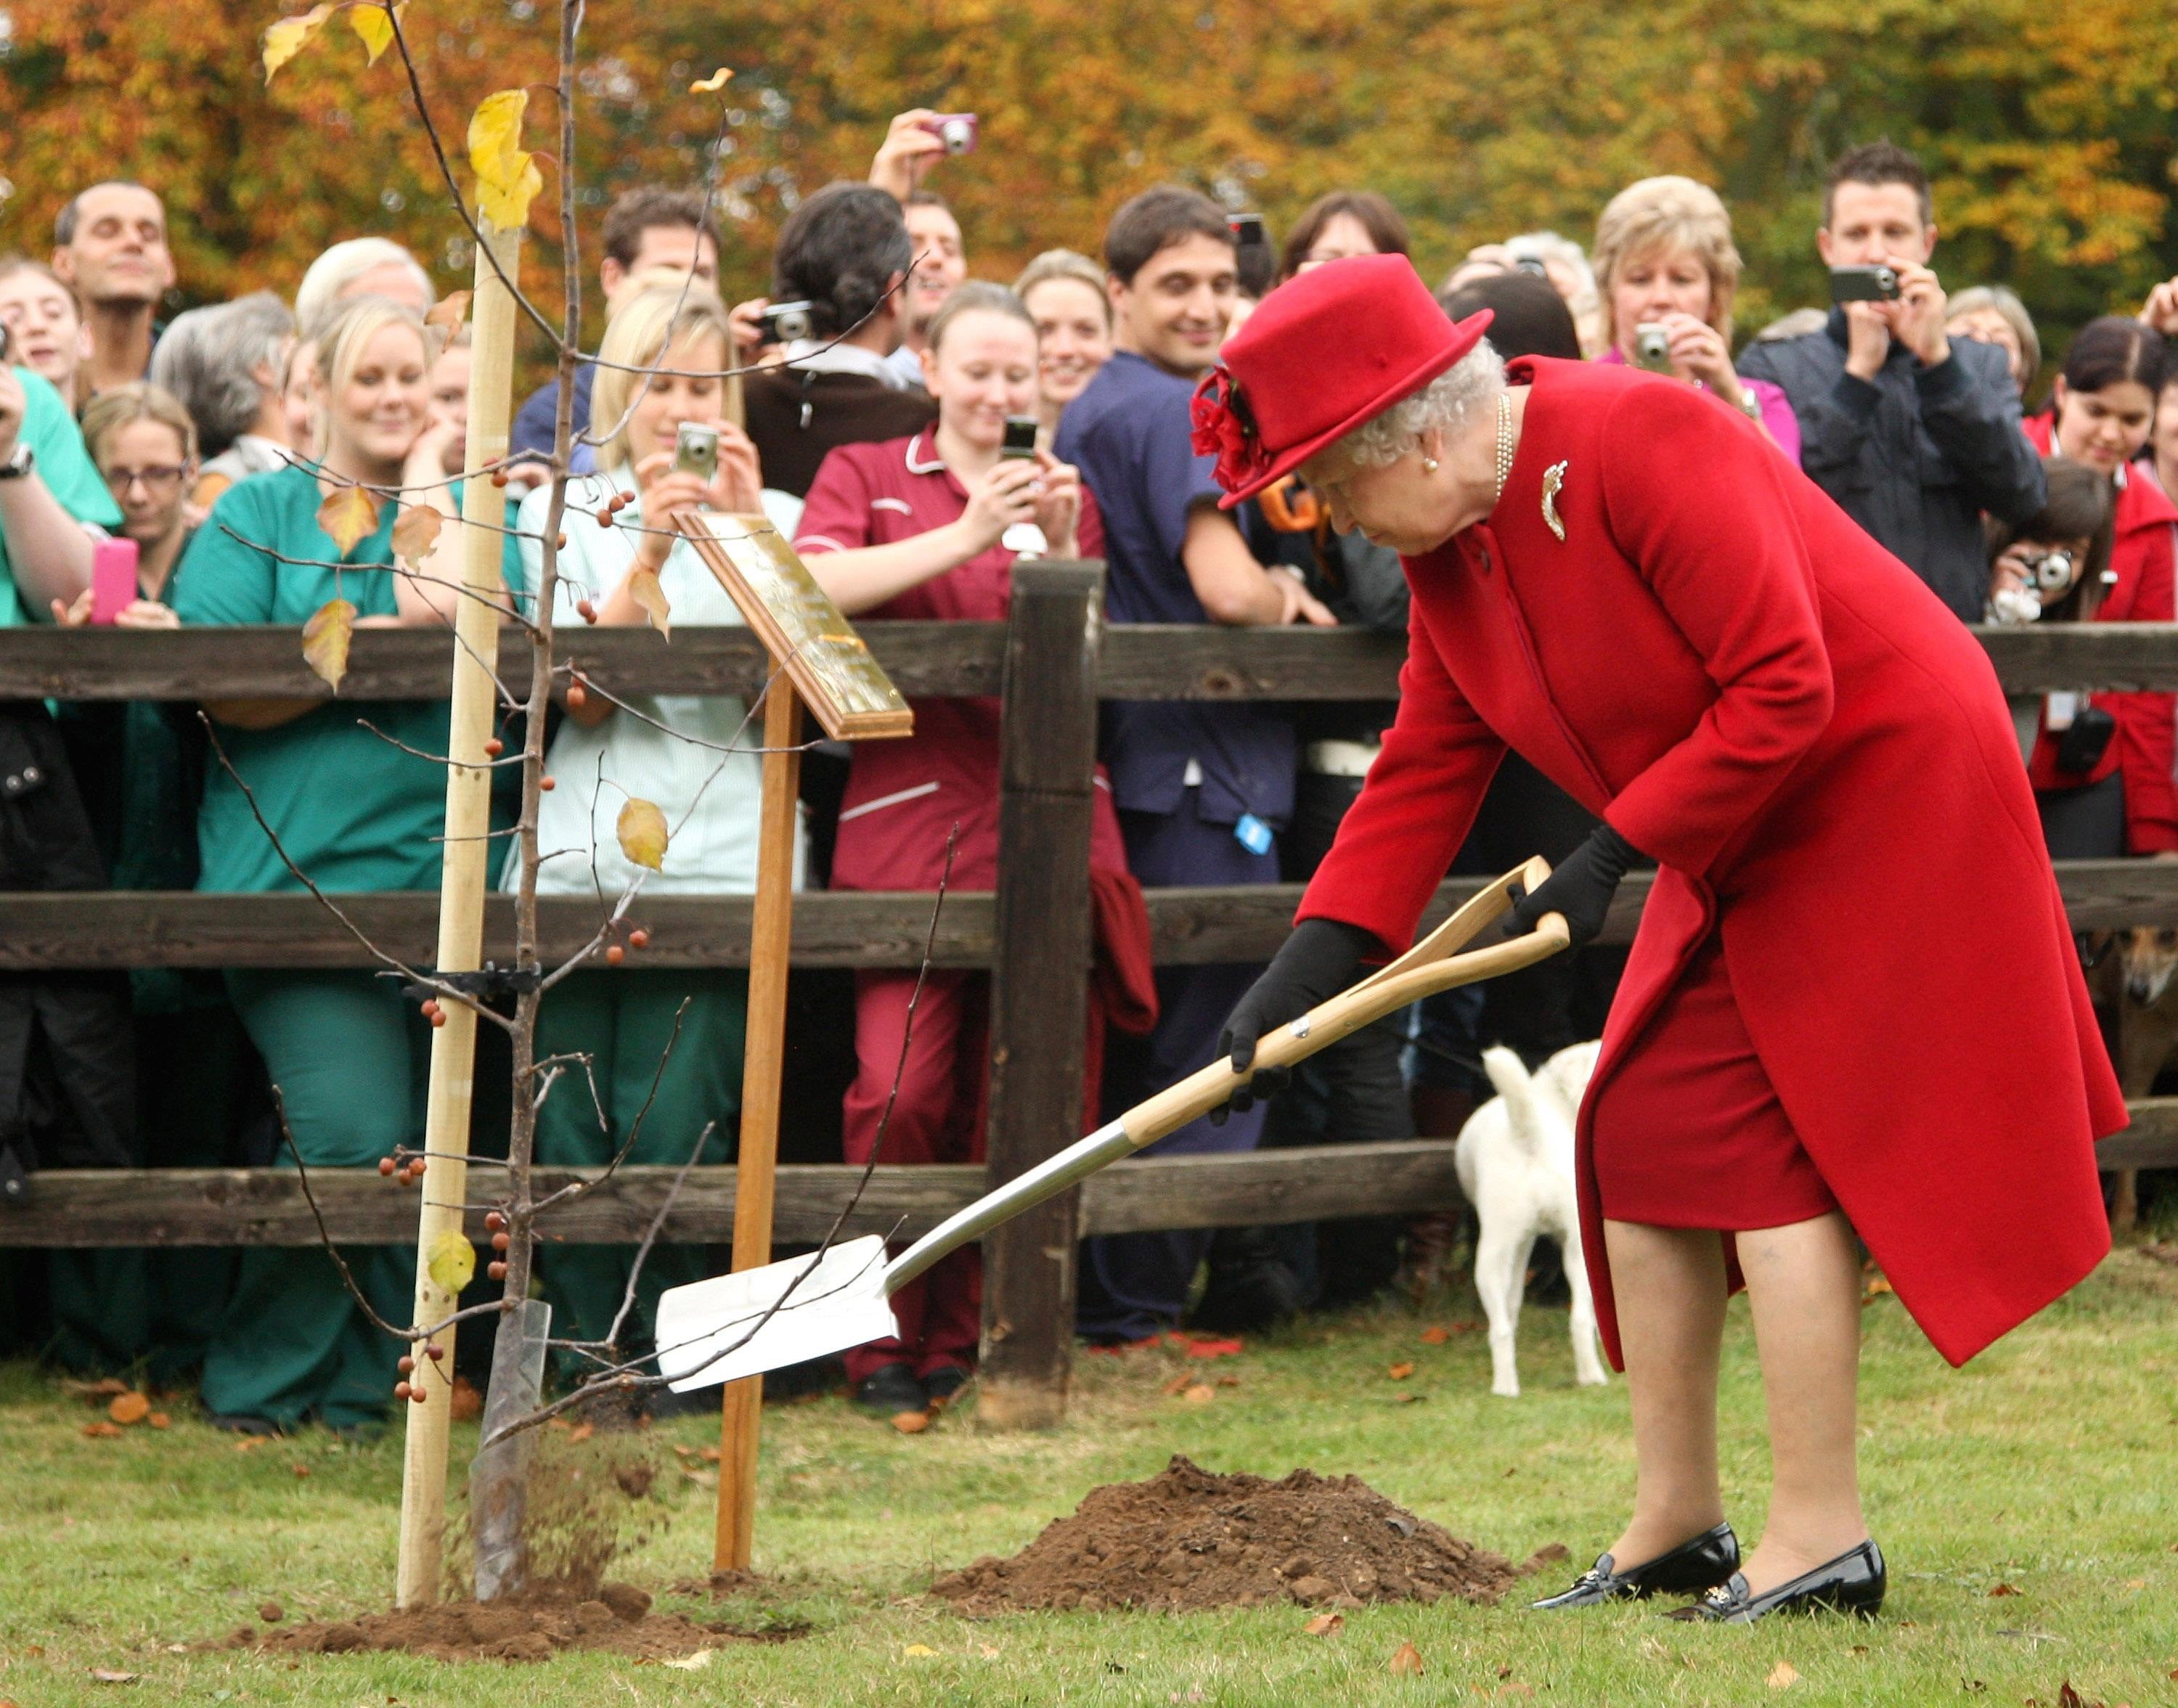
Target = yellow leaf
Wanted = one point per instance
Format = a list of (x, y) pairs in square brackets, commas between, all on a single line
[(1783, 1676), (1198, 1393), (324, 640), (643, 589), (693, 1663), (452, 1260), (412, 533), (349, 516), (711, 84), (507, 178), (916, 1652), (1400, 1372), (641, 831), (448, 313), (1407, 1660), (373, 20), (283, 41)]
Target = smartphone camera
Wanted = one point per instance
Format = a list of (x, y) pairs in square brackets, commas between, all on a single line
[(956, 130), (1652, 347), (782, 323), (696, 451), (1874, 284), (1020, 442), (1248, 228)]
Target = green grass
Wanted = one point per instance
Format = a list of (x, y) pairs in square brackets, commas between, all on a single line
[(2050, 1464)]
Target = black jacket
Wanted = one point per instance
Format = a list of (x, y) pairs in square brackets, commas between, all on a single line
[(1915, 456)]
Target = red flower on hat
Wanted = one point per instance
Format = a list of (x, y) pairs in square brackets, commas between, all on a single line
[(1225, 428)]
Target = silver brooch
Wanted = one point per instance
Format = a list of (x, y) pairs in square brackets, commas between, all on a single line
[(1553, 479)]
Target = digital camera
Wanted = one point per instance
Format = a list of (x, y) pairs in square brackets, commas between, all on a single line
[(956, 130), (1875, 284), (2047, 572), (696, 450), (1652, 347), (782, 323), (1019, 441)]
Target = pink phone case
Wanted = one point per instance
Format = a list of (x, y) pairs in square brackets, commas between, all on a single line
[(113, 587)]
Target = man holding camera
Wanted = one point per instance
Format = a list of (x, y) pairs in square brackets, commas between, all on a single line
[(1914, 433), (916, 140)]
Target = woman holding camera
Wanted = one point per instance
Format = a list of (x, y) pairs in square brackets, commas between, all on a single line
[(695, 756), (2102, 765), (352, 810), (1667, 269), (930, 527), (1676, 625)]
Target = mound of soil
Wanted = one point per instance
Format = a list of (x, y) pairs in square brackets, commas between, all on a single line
[(618, 1619), (1189, 1539)]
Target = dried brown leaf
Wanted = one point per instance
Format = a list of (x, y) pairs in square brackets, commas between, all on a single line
[(910, 1423), (414, 533), (1198, 1394), (643, 589), (1783, 1676), (1400, 1372), (1326, 1625), (159, 1419), (102, 1430), (582, 1432), (641, 831), (106, 1675), (348, 516), (326, 638), (448, 313), (2002, 1590), (1436, 1334), (130, 1408), (1407, 1660)]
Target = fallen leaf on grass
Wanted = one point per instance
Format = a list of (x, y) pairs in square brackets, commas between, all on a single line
[(1326, 1625), (102, 1430), (1213, 1349), (1407, 1660), (1404, 1397), (1229, 1381), (251, 1444), (128, 1408), (1400, 1372), (1180, 1383), (2136, 1583), (105, 1676), (159, 1419), (1783, 1676), (2002, 1590), (702, 1479), (916, 1652), (693, 1663), (94, 1392), (300, 1469), (582, 1431), (910, 1423), (709, 1455), (1201, 1393), (1436, 1334)]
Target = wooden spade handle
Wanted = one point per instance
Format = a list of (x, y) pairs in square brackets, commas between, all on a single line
[(1403, 982)]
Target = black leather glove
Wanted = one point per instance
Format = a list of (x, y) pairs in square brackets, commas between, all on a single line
[(1581, 888), (1317, 962)]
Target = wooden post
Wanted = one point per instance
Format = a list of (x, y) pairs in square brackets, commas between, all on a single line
[(763, 1058), (1040, 981), (461, 910)]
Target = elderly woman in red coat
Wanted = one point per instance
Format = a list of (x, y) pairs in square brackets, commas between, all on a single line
[(1853, 1007)]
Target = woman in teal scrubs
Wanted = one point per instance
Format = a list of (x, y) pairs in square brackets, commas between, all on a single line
[(355, 812)]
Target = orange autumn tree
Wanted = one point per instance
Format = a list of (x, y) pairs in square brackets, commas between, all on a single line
[(2048, 128)]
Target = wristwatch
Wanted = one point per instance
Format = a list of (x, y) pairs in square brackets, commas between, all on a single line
[(21, 464)]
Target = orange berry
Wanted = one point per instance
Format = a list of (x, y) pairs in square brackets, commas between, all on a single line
[(499, 1242), (638, 938), (604, 516), (614, 955), (416, 1168), (496, 1271), (578, 696), (436, 1352), (494, 748), (494, 1220), (587, 611), (438, 1016), (386, 1167), (401, 1390), (406, 1364), (546, 783), (560, 542), (418, 1394), (499, 477)]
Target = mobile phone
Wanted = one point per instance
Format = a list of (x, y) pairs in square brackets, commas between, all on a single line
[(1019, 441), (1248, 228), (1652, 347), (782, 323), (956, 130), (696, 451), (113, 587), (1875, 284)]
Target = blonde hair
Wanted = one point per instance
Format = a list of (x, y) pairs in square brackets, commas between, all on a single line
[(645, 326), (1066, 264), (1668, 213), (318, 298), (109, 412), (340, 344)]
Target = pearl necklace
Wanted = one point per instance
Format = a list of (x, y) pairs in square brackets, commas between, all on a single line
[(1504, 444)]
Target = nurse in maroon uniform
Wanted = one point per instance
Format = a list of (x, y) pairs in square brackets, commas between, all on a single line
[(929, 528), (1853, 1006)]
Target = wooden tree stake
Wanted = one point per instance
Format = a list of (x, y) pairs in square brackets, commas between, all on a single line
[(763, 1060), (461, 910)]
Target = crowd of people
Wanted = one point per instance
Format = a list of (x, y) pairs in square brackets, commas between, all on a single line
[(871, 405)]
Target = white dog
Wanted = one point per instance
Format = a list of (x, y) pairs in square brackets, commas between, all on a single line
[(1515, 1162)]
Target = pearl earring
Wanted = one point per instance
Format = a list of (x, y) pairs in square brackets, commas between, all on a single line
[(1429, 465)]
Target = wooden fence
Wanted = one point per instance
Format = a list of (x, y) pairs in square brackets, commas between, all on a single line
[(1052, 662)]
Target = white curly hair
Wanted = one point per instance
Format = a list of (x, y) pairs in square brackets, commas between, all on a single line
[(1465, 390)]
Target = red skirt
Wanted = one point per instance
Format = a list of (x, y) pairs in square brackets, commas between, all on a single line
[(1689, 1132)]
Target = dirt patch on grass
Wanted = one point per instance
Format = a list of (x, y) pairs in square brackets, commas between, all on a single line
[(1189, 1539)]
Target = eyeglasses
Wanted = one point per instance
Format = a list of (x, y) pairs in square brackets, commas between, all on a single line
[(158, 480)]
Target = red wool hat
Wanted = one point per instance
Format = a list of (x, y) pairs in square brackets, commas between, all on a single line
[(1326, 351)]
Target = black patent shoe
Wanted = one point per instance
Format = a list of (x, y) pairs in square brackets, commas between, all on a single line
[(1708, 1560), (1853, 1583)]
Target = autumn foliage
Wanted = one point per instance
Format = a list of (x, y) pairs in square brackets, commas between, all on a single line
[(2048, 126)]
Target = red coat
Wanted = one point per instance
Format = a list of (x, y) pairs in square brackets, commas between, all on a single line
[(2145, 555), (1716, 660)]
